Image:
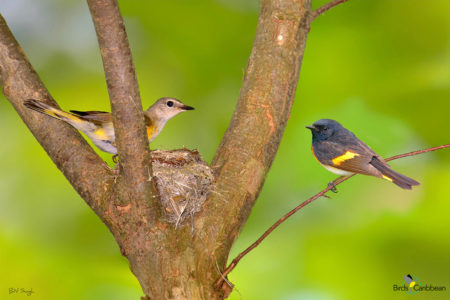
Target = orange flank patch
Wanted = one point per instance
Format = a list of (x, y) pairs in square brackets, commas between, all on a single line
[(346, 156), (387, 178), (312, 148)]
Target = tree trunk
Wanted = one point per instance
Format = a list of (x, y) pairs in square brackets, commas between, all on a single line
[(172, 261)]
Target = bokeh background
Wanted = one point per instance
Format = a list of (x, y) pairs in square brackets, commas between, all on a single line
[(382, 68)]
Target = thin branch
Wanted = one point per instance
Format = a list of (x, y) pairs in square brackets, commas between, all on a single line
[(417, 152), (326, 7), (337, 181), (126, 107), (83, 168)]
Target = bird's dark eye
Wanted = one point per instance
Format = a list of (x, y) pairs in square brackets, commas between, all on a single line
[(169, 103), (325, 128)]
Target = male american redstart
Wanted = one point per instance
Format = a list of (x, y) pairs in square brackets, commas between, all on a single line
[(98, 125), (341, 152)]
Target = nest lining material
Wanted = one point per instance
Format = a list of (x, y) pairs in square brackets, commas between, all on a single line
[(183, 180)]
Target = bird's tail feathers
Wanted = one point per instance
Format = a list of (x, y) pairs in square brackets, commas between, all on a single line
[(51, 111), (387, 173)]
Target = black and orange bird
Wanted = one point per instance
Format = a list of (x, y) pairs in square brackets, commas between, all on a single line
[(341, 152)]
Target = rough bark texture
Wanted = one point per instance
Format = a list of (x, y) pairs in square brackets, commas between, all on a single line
[(254, 134), (126, 107), (172, 263)]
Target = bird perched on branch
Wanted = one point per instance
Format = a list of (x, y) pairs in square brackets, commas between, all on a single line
[(341, 152), (98, 125)]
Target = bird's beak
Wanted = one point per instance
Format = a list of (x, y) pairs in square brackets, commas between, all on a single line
[(310, 127), (186, 107)]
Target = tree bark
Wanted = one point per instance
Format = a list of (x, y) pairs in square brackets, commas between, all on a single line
[(254, 134), (126, 107), (169, 262)]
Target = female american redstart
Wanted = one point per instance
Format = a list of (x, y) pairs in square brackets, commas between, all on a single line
[(98, 125), (341, 152)]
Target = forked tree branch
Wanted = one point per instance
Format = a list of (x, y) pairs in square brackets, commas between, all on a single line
[(83, 168), (126, 107), (251, 141), (326, 7), (168, 262), (337, 181)]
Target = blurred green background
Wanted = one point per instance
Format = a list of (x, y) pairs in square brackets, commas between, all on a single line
[(382, 68)]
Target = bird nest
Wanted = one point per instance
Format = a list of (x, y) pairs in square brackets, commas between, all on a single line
[(183, 180)]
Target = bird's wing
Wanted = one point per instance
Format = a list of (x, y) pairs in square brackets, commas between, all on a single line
[(354, 158), (367, 149), (94, 116)]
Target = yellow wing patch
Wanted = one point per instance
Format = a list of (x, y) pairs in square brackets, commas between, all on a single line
[(51, 113), (149, 132), (346, 156), (101, 133), (387, 178)]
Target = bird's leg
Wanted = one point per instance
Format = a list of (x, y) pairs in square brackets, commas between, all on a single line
[(333, 187)]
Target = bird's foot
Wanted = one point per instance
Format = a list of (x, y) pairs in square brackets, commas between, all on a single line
[(115, 158), (333, 187)]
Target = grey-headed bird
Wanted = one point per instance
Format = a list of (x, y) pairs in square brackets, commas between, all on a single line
[(98, 125)]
